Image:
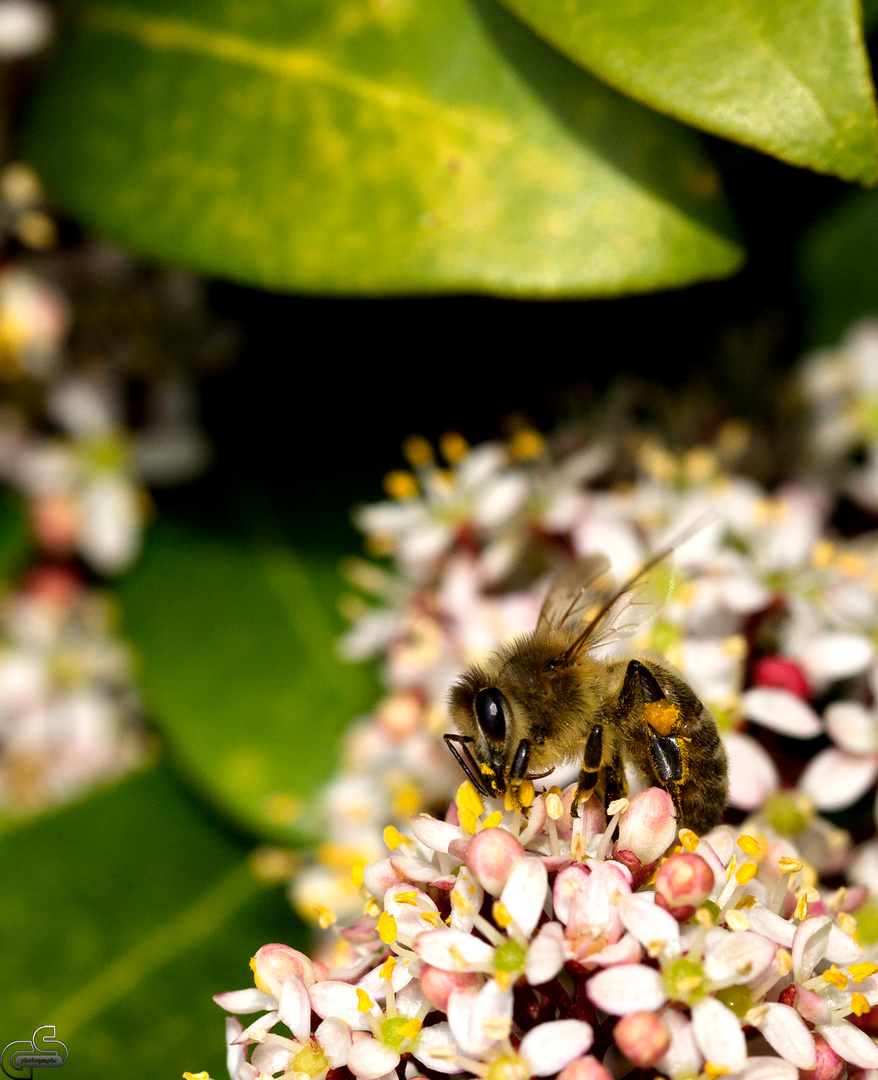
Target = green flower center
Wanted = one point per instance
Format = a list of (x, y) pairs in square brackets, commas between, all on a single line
[(738, 999), (310, 1060), (390, 1031), (685, 981), (508, 1068), (509, 957), (785, 814)]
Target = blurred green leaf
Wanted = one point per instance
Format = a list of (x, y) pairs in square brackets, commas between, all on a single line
[(356, 147), (121, 915), (790, 79), (238, 642), (14, 539), (839, 268)]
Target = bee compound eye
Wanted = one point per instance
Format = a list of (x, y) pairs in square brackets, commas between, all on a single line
[(489, 712)]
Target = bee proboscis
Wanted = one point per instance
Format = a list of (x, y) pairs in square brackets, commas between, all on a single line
[(545, 699)]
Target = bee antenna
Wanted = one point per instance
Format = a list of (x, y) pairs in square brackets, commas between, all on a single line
[(466, 761)]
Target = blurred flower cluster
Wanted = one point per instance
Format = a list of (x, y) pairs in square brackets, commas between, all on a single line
[(505, 946)]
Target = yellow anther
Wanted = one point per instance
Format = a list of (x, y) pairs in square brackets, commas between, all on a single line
[(387, 928), (357, 872), (835, 978), (504, 979), (364, 1002), (206, 1075), (790, 866), (454, 447), (554, 806), (750, 846), (732, 867), (410, 897), (737, 920), (387, 967), (526, 793), (801, 911), (713, 1071), (578, 847), (431, 917), (469, 799), (527, 444), (784, 961), (401, 485), (746, 873), (508, 801), (492, 820), (501, 915), (704, 917), (260, 985), (468, 820), (849, 924), (372, 907), (745, 902), (689, 839), (418, 452), (409, 1029), (862, 971), (407, 800), (617, 806), (392, 837), (458, 958), (859, 1004), (689, 983), (459, 901), (325, 917)]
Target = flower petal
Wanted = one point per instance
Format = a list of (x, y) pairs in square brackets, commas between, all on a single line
[(545, 957), (478, 1020), (245, 1001), (851, 1044), (548, 1047), (767, 1068), (752, 773), (835, 779), (524, 894), (683, 1057), (809, 945), (627, 988), (433, 833), (453, 950), (851, 727), (295, 1007), (835, 655), (787, 1033), (334, 1039), (650, 924), (733, 958), (781, 711), (368, 1059), (433, 1038), (338, 999), (718, 1033)]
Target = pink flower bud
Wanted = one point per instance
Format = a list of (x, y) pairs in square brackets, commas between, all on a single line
[(585, 1068), (648, 826), (379, 876), (783, 674), (490, 855), (274, 964), (683, 883), (642, 1038), (591, 812), (439, 985), (829, 1065)]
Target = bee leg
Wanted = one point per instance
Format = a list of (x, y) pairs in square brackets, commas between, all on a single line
[(667, 752), (517, 773), (616, 782), (591, 763)]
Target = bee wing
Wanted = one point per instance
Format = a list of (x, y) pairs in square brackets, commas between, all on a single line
[(626, 613), (584, 586)]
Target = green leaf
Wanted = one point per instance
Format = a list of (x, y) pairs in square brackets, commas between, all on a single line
[(121, 916), (238, 642), (349, 146), (14, 538), (788, 77), (839, 268)]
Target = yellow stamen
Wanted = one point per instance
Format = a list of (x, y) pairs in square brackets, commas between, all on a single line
[(862, 971), (526, 793), (469, 799), (418, 451), (554, 807), (410, 898), (737, 920), (431, 917), (364, 1002), (501, 915), (617, 806), (387, 928), (372, 907), (325, 917), (492, 820), (732, 867), (714, 1071), (387, 967), (790, 866), (689, 983), (750, 846), (746, 873), (401, 485), (527, 444), (801, 911), (260, 985), (784, 961), (504, 979), (689, 839), (508, 801), (454, 447), (392, 837), (357, 871), (409, 1029), (835, 978), (468, 820), (459, 901), (859, 1004), (407, 800), (849, 924), (206, 1075)]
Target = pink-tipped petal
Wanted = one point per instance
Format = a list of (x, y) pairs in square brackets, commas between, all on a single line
[(545, 957), (809, 945), (787, 1033), (524, 894), (294, 1008), (245, 1001), (339, 1000), (851, 1044), (453, 950), (627, 988)]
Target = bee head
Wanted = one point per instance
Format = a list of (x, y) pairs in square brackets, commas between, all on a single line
[(492, 756)]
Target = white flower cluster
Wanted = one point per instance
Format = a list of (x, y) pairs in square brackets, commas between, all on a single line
[(772, 618), (504, 945), (69, 715)]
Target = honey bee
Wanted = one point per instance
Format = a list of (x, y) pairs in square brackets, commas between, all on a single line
[(545, 700)]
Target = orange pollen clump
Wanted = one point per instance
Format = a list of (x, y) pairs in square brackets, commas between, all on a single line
[(661, 716)]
